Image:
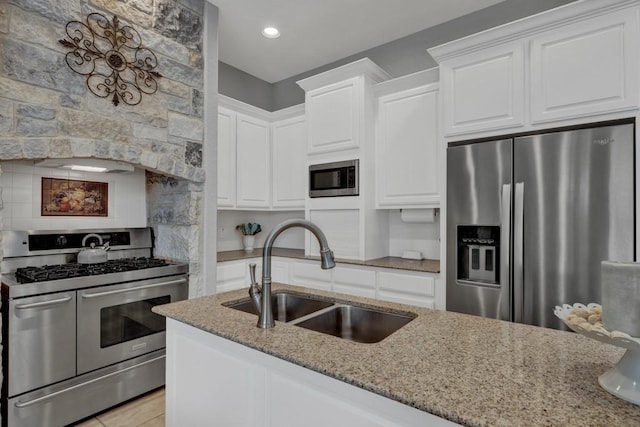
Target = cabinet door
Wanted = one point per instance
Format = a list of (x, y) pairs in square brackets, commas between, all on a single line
[(253, 155), (354, 281), (590, 67), (231, 275), (332, 115), (43, 342), (407, 149), (310, 275), (226, 158), (289, 169), (484, 90), (413, 289)]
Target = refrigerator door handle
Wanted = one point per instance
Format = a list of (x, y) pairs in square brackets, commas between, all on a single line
[(505, 226), (518, 254)]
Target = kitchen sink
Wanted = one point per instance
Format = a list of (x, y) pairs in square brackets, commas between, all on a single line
[(359, 324), (286, 307)]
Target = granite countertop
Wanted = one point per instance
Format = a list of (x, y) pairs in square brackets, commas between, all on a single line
[(425, 265), (467, 369)]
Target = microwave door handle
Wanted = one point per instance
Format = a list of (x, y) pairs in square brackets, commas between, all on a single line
[(137, 288), (505, 238), (518, 254)]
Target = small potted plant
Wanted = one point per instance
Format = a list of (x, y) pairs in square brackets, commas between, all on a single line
[(249, 231)]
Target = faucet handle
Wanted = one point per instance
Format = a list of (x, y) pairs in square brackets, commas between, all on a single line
[(252, 273)]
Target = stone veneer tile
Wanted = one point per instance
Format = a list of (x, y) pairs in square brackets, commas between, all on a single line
[(185, 127), (36, 148), (193, 154), (89, 125), (145, 6), (82, 147), (174, 70), (162, 45), (71, 101), (149, 132), (122, 10), (61, 148), (4, 18), (35, 112), (197, 103), (6, 116), (35, 29), (60, 11), (174, 88), (26, 126), (19, 91), (39, 67), (10, 148), (195, 5), (178, 105), (178, 23)]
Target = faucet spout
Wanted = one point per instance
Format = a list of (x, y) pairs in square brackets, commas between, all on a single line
[(265, 320)]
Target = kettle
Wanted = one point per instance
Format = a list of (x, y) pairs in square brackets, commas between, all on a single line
[(93, 255)]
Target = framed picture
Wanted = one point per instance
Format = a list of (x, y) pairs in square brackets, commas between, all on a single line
[(67, 197)]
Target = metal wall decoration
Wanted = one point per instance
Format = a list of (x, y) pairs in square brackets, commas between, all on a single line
[(112, 57)]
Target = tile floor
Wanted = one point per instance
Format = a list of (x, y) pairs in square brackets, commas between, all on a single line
[(146, 411)]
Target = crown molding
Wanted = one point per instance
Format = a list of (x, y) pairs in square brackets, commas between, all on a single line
[(363, 66), (529, 26), (410, 81)]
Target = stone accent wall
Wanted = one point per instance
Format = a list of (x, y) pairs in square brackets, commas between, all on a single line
[(46, 110)]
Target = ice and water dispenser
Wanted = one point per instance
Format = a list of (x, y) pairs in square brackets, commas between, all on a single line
[(479, 253)]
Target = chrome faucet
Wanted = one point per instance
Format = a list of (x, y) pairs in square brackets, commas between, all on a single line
[(262, 297)]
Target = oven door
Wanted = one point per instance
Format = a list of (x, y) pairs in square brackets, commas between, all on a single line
[(116, 323)]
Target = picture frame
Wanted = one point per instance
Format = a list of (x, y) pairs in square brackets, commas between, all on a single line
[(68, 197)]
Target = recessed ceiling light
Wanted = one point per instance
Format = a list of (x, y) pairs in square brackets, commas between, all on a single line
[(271, 32)]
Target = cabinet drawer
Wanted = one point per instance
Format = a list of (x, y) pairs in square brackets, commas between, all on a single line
[(354, 281), (310, 275), (408, 284)]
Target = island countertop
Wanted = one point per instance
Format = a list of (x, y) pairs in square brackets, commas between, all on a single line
[(467, 369)]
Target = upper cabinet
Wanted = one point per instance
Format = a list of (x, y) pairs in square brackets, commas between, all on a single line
[(585, 68), (261, 157), (484, 90), (289, 169), (253, 153), (226, 157), (337, 104), (572, 62), (407, 154)]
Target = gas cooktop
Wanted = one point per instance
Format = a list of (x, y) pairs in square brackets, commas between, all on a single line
[(63, 271)]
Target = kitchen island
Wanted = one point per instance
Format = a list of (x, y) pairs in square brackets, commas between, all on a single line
[(460, 368)]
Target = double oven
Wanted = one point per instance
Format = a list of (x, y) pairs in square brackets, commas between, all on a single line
[(80, 338)]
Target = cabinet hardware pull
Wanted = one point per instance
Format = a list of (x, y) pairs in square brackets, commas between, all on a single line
[(43, 303), (73, 387), (137, 288)]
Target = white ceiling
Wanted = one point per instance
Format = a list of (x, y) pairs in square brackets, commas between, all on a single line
[(318, 32)]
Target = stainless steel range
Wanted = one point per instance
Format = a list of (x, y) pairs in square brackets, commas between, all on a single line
[(80, 338)]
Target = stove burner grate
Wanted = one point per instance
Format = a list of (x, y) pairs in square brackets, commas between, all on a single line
[(64, 271)]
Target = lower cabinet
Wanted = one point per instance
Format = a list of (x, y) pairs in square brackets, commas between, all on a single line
[(214, 381), (401, 286)]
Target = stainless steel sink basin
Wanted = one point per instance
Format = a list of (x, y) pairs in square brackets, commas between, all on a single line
[(286, 307), (357, 324)]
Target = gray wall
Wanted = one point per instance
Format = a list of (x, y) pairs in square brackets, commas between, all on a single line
[(400, 57)]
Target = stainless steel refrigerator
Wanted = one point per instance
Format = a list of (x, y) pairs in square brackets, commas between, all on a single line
[(529, 219)]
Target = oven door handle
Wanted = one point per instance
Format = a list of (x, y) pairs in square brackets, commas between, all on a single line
[(73, 387), (137, 288), (43, 303)]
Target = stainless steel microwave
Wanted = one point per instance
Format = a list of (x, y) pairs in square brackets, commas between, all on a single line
[(334, 179)]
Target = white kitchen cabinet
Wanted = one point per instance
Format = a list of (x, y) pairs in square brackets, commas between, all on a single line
[(484, 90), (339, 106), (231, 275), (565, 65), (585, 68), (226, 157), (253, 154), (212, 378), (309, 274), (407, 288), (354, 281), (407, 141), (289, 170), (334, 119)]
